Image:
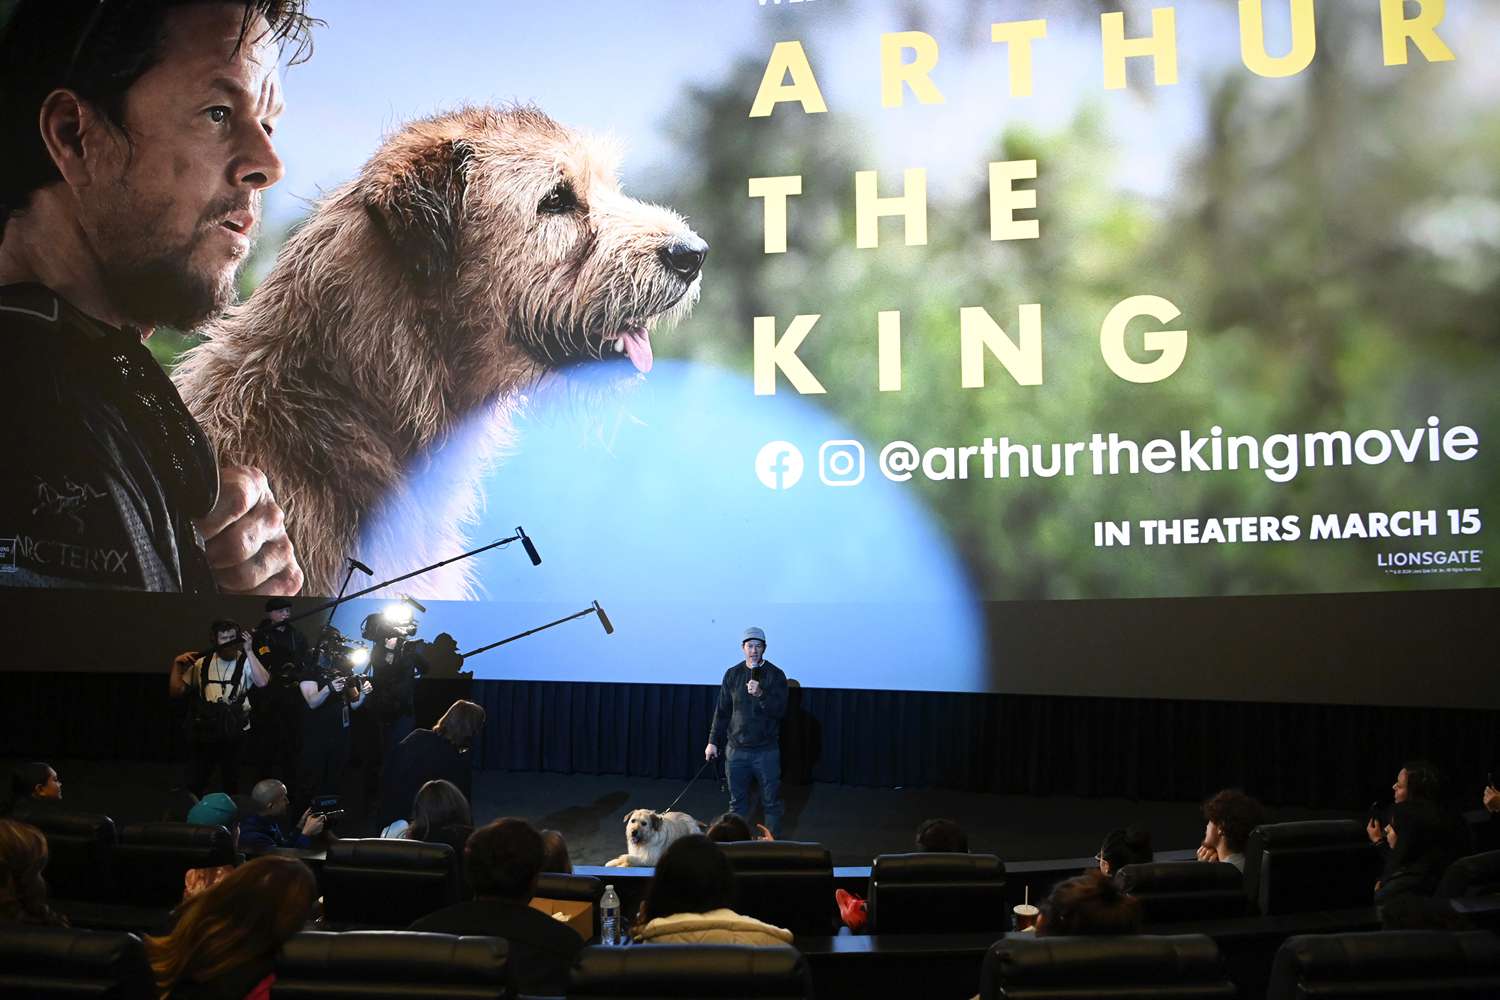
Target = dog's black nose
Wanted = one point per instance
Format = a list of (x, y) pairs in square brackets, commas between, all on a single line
[(685, 257)]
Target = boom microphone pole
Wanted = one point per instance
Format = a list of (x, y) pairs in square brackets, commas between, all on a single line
[(594, 609)]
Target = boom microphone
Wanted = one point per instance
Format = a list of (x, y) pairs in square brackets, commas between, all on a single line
[(609, 629), (414, 603), (536, 559), (367, 571)]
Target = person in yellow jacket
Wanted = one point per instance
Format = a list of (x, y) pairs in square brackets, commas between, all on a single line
[(691, 898)]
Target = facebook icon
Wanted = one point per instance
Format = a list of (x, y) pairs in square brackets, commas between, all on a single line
[(778, 465)]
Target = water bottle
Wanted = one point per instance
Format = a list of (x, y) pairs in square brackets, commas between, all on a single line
[(609, 917)]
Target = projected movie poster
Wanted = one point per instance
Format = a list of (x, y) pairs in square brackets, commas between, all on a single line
[(849, 319)]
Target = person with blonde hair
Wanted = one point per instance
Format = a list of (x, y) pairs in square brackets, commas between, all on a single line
[(225, 940), (442, 752), (23, 891)]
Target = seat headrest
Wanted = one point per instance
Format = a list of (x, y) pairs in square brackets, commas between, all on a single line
[(937, 867), (399, 956), (56, 821), (389, 854), (1465, 874), (176, 835), (1391, 955), (1309, 833), (555, 885), (1180, 876), (24, 947), (1113, 960), (688, 970), (776, 855)]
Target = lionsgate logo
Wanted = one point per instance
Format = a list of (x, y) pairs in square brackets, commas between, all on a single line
[(1431, 561)]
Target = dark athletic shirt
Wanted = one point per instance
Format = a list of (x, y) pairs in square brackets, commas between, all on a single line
[(105, 469)]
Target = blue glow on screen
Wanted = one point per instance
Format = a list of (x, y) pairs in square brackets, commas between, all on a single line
[(645, 497)]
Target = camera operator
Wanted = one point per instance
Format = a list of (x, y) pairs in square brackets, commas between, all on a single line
[(395, 665), (216, 685), (277, 708), (330, 697)]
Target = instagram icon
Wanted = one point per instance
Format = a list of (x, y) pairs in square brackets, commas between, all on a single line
[(841, 463)]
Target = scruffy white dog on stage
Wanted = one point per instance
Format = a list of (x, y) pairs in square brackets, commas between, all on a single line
[(647, 835)]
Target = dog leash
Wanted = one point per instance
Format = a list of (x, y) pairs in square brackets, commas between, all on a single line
[(689, 784)]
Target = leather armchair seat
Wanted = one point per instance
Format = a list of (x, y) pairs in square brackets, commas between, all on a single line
[(378, 882), (151, 858), (1387, 964), (1129, 967), (390, 965), (1476, 875), (1186, 890), (690, 970), (1315, 865), (784, 882), (44, 962), (937, 893), (79, 849)]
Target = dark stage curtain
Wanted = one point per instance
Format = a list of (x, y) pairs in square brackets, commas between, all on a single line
[(1338, 756)]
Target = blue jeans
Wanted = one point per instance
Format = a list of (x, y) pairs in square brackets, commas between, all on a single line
[(762, 764)]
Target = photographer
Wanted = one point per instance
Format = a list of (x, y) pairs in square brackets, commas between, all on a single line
[(330, 697), (395, 665), (216, 685), (263, 831), (277, 710)]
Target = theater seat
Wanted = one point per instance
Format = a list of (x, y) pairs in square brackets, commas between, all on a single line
[(574, 888), (784, 882), (390, 965), (937, 893), (1315, 865), (1186, 890), (79, 846), (151, 859), (1387, 964), (45, 962), (1179, 967), (378, 882), (690, 970), (1476, 875)]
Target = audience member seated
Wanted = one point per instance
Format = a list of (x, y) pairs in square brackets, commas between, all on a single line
[(504, 860), (215, 809), (1129, 846), (690, 901), (1231, 815), (23, 890), (1418, 913), (731, 826), (34, 781), (555, 856), (262, 830), (1417, 779), (441, 752), (440, 815), (942, 836), (224, 943), (1419, 851), (934, 836), (1088, 904)]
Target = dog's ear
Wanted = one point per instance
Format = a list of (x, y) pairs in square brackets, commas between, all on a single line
[(415, 196), (656, 821)]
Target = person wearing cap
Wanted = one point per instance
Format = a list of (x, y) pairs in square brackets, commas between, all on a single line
[(217, 809), (276, 709), (217, 684), (747, 724)]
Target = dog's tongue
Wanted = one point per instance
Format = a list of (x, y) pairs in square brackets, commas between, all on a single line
[(638, 348)]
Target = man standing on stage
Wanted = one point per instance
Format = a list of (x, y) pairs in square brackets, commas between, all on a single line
[(752, 702), (216, 685), (278, 707)]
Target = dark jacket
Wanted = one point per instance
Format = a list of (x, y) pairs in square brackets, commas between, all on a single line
[(105, 468), (259, 834), (422, 757), (750, 722), (541, 948)]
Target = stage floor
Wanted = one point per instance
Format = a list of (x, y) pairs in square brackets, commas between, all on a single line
[(854, 823)]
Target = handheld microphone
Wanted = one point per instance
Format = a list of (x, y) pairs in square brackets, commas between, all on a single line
[(531, 552), (367, 571), (609, 628)]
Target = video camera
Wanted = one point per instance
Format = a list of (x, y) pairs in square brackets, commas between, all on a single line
[(338, 656), (326, 806)]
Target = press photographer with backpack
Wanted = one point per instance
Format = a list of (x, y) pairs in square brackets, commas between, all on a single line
[(215, 684)]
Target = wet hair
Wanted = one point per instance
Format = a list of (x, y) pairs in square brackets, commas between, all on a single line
[(1236, 814), (942, 836), (244, 918), (728, 827), (438, 804), (1423, 781), (461, 724), (504, 858), (99, 51), (555, 853), (1089, 904), (693, 876), (1128, 846), (23, 891)]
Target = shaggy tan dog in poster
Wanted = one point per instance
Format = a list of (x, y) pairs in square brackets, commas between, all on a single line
[(648, 834), (477, 253)]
